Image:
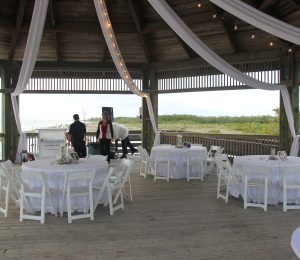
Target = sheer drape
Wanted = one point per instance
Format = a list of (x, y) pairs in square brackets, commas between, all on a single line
[(260, 19), (190, 38)]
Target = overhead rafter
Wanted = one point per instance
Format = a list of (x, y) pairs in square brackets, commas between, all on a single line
[(137, 20), (227, 30), (189, 51), (55, 34), (295, 3), (16, 32), (266, 4)]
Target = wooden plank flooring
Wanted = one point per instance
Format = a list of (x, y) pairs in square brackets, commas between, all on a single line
[(175, 220)]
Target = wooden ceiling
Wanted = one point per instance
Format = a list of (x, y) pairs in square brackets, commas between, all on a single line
[(72, 31)]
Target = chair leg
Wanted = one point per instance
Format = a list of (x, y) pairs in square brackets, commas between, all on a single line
[(43, 201), (218, 187), (145, 169), (155, 171), (91, 201), (187, 170), (227, 190), (7, 198), (69, 205), (110, 202), (130, 190), (168, 171), (245, 192), (21, 202), (266, 194), (284, 195)]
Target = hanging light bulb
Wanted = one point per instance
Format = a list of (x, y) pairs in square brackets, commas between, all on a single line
[(214, 16), (253, 36), (271, 44), (235, 27), (290, 50), (199, 5)]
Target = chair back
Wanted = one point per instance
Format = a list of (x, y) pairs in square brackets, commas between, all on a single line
[(214, 150), (81, 176), (253, 171), (194, 155)]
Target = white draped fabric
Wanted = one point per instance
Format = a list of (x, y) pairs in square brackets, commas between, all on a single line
[(190, 38), (260, 20), (29, 59), (116, 55)]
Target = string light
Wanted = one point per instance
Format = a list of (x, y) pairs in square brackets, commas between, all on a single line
[(214, 16), (199, 5), (253, 36), (271, 44), (235, 27), (290, 50)]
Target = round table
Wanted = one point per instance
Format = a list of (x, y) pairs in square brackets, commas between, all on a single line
[(178, 158), (275, 178), (55, 175)]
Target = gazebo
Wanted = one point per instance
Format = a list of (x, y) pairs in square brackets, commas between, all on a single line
[(73, 48), (166, 220)]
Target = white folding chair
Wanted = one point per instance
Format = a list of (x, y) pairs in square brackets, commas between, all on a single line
[(256, 177), (9, 186), (224, 178), (78, 184), (146, 166), (114, 186), (295, 242), (194, 159), (290, 182), (211, 154), (162, 160), (121, 172), (5, 185), (41, 192)]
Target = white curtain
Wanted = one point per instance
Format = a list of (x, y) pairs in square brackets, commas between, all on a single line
[(116, 55), (260, 19), (29, 59), (190, 38)]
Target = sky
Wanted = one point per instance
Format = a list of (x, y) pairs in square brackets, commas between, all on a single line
[(61, 107)]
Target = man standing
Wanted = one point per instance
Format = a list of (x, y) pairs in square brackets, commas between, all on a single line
[(77, 136), (121, 132)]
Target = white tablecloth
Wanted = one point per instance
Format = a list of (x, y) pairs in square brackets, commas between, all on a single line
[(178, 158), (275, 178), (55, 175)]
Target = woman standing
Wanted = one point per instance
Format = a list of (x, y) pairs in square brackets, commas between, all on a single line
[(105, 133)]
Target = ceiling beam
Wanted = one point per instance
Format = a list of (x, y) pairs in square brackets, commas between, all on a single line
[(295, 3), (55, 34), (188, 50), (16, 32), (266, 4), (137, 20), (227, 30)]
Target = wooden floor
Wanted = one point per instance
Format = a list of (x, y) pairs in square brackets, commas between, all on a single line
[(175, 220)]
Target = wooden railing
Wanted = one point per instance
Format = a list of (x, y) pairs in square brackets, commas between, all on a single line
[(234, 145), (32, 140)]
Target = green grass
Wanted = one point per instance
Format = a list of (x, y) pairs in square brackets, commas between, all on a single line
[(215, 125)]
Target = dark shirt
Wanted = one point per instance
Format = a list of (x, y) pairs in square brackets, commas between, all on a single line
[(77, 130)]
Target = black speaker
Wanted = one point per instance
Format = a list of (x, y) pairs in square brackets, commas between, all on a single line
[(110, 112)]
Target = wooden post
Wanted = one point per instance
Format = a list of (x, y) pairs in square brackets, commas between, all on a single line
[(10, 77), (150, 84), (288, 76)]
